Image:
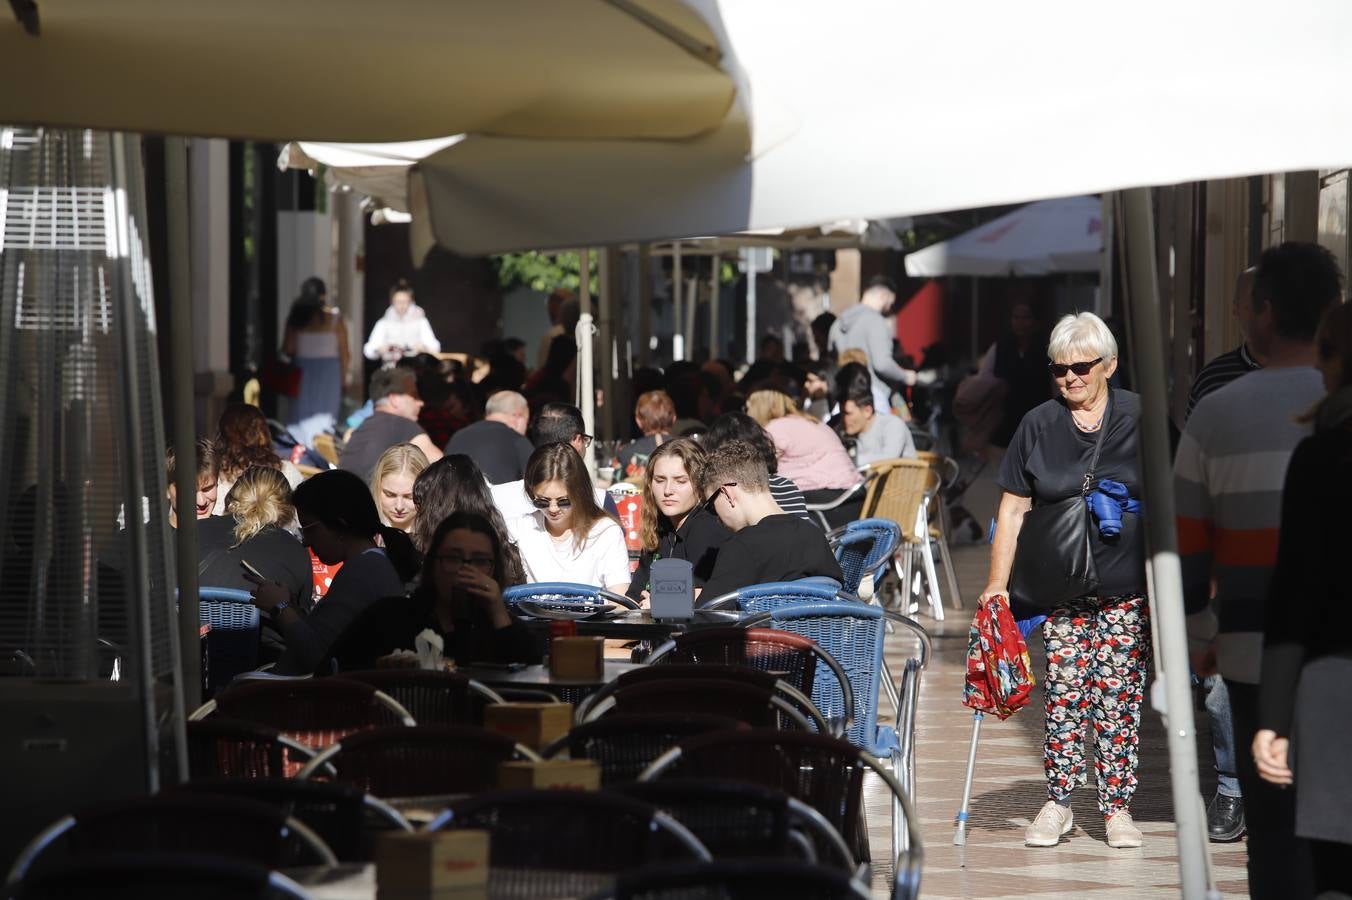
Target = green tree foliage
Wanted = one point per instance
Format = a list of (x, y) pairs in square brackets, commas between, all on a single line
[(544, 271)]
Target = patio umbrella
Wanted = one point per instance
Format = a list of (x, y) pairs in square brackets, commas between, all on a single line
[(352, 70), (1043, 238)]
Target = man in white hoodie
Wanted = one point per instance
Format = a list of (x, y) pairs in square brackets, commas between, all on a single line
[(403, 330), (864, 327)]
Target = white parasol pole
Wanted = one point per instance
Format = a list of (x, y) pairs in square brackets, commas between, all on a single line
[(677, 288), (1172, 692), (586, 394)]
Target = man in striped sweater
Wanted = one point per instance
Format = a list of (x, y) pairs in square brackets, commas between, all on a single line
[(1228, 477)]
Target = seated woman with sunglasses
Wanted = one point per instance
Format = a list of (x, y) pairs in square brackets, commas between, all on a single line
[(459, 597), (675, 521), (568, 537)]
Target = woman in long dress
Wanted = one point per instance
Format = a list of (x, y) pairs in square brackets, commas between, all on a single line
[(316, 342)]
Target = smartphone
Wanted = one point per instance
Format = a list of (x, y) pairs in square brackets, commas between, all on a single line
[(248, 567)]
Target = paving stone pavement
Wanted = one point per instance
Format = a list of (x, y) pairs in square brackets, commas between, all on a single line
[(1009, 789)]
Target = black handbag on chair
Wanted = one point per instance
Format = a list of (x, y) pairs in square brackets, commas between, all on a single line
[(1054, 559)]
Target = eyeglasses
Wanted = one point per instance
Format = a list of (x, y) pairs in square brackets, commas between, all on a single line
[(1082, 369), (459, 560), (713, 498), (546, 502), (586, 440)]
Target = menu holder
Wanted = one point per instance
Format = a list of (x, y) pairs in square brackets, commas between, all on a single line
[(671, 586)]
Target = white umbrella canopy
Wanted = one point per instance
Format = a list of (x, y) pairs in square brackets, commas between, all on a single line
[(1070, 100), (1043, 238), (353, 70)]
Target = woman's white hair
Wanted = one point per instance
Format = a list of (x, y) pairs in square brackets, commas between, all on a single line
[(1080, 337)]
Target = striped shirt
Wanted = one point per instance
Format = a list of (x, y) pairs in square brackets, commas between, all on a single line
[(789, 498), (1228, 477), (1219, 372)]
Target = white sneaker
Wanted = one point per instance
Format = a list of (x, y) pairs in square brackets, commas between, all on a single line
[(1122, 831), (1052, 821)]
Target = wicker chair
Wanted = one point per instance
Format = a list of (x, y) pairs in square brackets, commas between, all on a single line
[(315, 712), (347, 819), (547, 844), (901, 490), (176, 822), (426, 760), (159, 876), (762, 879), (738, 819), (948, 472), (624, 745), (791, 658), (823, 772), (221, 747), (736, 692), (433, 698), (865, 548), (232, 643)]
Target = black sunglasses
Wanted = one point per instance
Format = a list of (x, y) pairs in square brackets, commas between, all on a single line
[(713, 498), (1079, 368), (544, 502)]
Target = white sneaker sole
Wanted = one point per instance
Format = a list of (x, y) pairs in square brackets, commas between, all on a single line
[(1124, 843), (1049, 842)]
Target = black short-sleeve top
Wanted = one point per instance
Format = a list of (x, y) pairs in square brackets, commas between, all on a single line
[(1047, 460)]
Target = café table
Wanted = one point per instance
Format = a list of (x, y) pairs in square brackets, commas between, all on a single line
[(639, 625), (539, 678)]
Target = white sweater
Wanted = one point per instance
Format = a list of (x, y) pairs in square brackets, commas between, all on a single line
[(409, 330)]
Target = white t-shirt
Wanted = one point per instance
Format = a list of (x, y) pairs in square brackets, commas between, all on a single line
[(513, 502), (602, 561)]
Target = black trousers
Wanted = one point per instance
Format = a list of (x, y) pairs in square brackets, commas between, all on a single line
[(1280, 866), (843, 514)]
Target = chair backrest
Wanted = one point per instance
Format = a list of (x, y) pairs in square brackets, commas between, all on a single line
[(432, 698), (326, 445), (741, 819), (898, 489), (316, 712), (731, 691), (739, 878), (853, 634), (177, 822), (232, 643), (823, 772), (760, 597), (569, 843), (224, 747), (789, 657), (624, 745), (865, 547), (343, 816), (551, 591), (426, 760), (159, 876)]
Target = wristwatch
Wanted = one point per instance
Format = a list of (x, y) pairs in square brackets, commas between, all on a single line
[(285, 604)]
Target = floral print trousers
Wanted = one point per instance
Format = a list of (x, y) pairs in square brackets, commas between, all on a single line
[(1097, 658)]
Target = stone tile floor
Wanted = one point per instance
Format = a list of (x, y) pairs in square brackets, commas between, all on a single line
[(1009, 788)]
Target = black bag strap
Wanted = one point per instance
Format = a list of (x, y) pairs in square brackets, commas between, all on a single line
[(1098, 444)]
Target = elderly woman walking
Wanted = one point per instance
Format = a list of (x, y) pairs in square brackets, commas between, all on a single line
[(1097, 644)]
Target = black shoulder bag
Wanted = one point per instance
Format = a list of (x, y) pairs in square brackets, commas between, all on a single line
[(1054, 560)]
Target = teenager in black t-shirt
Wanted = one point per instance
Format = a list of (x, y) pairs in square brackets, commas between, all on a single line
[(767, 544)]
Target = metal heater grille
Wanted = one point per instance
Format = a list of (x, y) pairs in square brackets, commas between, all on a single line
[(81, 445)]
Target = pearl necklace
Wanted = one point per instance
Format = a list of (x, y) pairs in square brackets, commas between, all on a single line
[(1086, 428)]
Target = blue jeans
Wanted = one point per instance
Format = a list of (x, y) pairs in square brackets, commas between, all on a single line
[(1222, 736)]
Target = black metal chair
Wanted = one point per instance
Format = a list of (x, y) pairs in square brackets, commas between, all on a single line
[(346, 818), (219, 746), (748, 695), (178, 822), (738, 819), (547, 844), (158, 876), (420, 761), (738, 880), (824, 772), (432, 698), (624, 745), (313, 711)]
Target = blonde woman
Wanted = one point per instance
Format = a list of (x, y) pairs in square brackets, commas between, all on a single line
[(675, 523), (392, 485), (255, 530), (810, 454)]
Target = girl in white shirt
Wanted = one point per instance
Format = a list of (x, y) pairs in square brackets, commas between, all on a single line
[(568, 537), (403, 330)]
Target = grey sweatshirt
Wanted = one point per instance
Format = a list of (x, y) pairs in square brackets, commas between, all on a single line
[(864, 328)]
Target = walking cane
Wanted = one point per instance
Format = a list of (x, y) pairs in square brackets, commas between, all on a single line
[(960, 836)]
